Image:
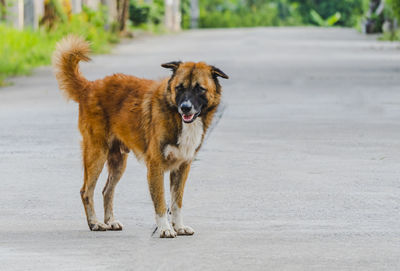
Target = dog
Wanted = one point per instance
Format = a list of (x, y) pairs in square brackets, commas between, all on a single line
[(162, 122)]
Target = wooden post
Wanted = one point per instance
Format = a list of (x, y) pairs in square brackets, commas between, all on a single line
[(168, 14), (111, 9), (177, 15), (39, 10), (93, 4), (194, 13), (33, 10), (172, 15), (29, 13), (76, 6), (15, 14)]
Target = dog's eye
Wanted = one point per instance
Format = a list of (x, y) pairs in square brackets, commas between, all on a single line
[(200, 89), (179, 87)]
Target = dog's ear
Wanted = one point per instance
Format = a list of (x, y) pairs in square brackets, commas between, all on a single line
[(217, 72), (174, 65)]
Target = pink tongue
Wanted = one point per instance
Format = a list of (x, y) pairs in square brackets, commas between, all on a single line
[(187, 117)]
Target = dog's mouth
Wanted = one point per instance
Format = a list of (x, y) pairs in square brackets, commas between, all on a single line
[(188, 118)]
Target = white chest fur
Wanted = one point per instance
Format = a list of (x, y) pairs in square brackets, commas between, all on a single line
[(188, 141)]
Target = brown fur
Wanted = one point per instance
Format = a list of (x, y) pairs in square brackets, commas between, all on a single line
[(121, 113)]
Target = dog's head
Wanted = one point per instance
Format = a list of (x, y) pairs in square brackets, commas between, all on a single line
[(193, 88)]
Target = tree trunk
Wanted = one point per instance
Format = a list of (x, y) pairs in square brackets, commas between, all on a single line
[(123, 13), (50, 14), (2, 10)]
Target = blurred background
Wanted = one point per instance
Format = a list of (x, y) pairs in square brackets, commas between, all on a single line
[(29, 29)]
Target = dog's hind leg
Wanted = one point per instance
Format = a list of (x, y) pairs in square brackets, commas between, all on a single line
[(116, 163), (94, 157), (178, 179)]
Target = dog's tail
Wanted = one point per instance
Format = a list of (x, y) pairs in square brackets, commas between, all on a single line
[(69, 51)]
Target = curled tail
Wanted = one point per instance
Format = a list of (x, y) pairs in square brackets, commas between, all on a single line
[(69, 51)]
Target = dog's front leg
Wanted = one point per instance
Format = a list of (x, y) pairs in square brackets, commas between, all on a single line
[(155, 178), (177, 184)]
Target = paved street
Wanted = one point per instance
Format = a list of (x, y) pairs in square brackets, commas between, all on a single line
[(301, 173)]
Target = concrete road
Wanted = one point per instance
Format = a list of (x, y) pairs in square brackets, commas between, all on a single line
[(301, 173)]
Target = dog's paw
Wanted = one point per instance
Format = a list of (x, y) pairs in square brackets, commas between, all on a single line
[(114, 225), (184, 230), (164, 228), (167, 233), (98, 226)]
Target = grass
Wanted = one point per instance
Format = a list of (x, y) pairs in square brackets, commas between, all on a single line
[(21, 51), (390, 36), (148, 27)]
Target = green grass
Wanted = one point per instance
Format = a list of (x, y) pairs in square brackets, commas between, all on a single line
[(156, 29), (390, 36), (21, 51)]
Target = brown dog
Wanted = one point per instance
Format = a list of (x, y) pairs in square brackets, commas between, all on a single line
[(162, 122)]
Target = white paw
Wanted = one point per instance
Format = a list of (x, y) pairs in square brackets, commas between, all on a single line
[(184, 230), (98, 226), (114, 225), (167, 233), (164, 228)]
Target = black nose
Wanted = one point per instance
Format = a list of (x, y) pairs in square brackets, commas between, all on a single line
[(186, 107)]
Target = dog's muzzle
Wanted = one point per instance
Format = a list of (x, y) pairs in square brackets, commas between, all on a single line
[(187, 112)]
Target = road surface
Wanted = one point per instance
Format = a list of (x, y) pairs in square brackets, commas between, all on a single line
[(301, 173)]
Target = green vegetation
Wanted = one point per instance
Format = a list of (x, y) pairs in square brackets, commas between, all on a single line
[(393, 8), (392, 13), (185, 11), (351, 11), (147, 17), (236, 13), (245, 13), (332, 20), (21, 51)]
